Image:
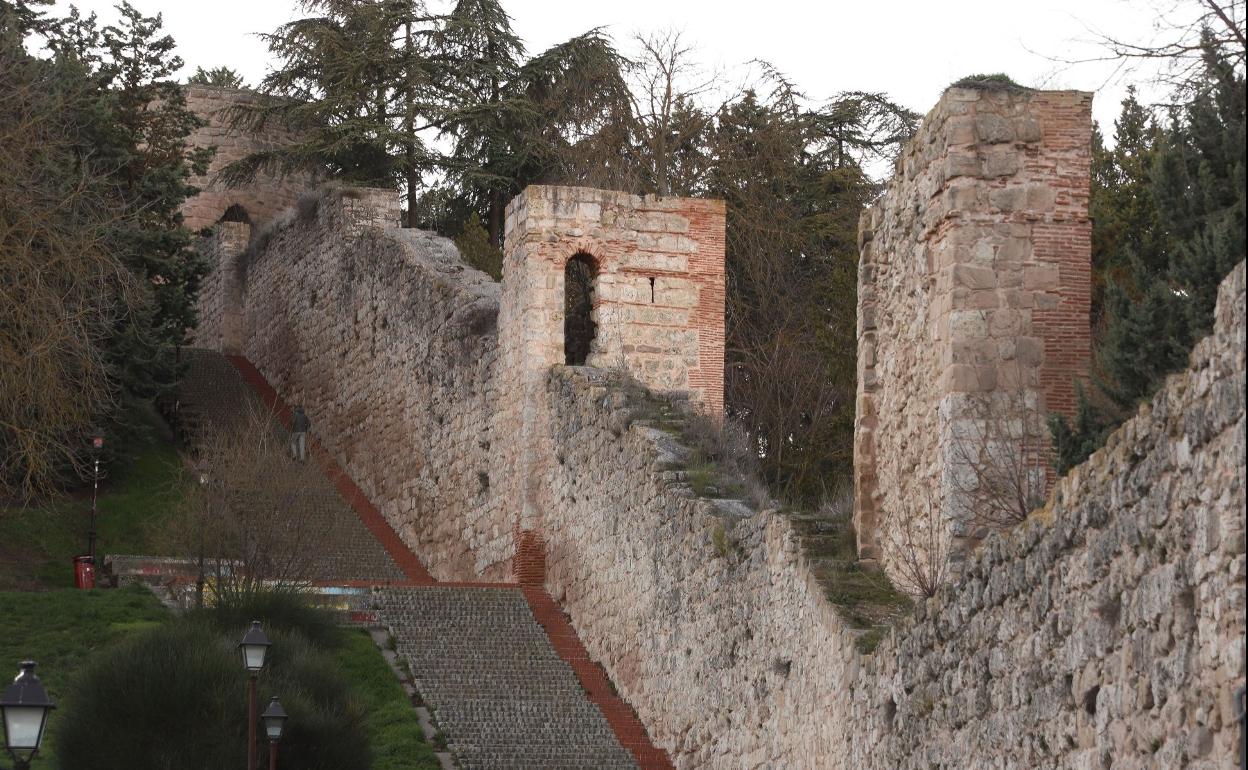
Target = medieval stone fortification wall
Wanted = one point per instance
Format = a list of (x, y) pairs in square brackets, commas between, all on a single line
[(389, 341), (393, 344), (265, 197), (1107, 631), (973, 307), (220, 299)]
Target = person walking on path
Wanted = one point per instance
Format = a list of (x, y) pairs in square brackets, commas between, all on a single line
[(299, 425)]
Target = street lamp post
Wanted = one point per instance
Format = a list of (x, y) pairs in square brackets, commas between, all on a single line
[(254, 647), (203, 503), (25, 706), (274, 723), (97, 444)]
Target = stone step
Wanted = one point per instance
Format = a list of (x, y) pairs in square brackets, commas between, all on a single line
[(500, 692)]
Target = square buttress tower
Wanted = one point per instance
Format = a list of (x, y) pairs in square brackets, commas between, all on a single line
[(618, 281), (609, 280)]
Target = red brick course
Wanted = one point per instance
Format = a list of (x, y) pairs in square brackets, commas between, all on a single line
[(529, 567), (368, 513), (624, 722)]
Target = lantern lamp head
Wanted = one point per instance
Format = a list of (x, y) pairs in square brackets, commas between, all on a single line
[(274, 718), (255, 645), (25, 706)]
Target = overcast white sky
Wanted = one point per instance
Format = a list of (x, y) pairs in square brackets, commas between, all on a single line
[(910, 49)]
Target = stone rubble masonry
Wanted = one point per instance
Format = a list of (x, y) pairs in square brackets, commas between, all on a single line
[(262, 199), (220, 299), (974, 287), (389, 341), (1108, 630)]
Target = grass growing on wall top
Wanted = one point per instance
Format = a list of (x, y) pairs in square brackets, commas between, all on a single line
[(716, 465), (997, 81)]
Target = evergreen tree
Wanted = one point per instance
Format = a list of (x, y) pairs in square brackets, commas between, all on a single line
[(1128, 240), (1177, 203), (513, 122), (358, 84), (794, 194), (133, 131), (486, 123), (18, 18), (63, 289)]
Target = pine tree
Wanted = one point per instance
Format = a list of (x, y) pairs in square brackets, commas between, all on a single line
[(1173, 206), (513, 122), (358, 84)]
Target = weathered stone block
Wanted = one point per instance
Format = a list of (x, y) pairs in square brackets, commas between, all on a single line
[(993, 129), (974, 277)]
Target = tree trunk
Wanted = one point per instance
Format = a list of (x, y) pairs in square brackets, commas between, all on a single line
[(496, 218)]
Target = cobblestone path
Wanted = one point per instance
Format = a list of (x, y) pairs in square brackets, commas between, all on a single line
[(503, 672), (214, 392), (499, 691)]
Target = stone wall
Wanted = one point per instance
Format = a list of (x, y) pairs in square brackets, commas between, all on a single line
[(973, 313), (658, 303), (389, 341), (220, 299), (1108, 631), (262, 199), (395, 347)]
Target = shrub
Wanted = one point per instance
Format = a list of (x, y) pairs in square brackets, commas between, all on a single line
[(169, 697), (175, 696), (476, 250), (997, 81), (326, 726), (277, 611)]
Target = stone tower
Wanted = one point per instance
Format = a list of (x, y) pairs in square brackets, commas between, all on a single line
[(230, 215), (645, 274), (256, 203), (973, 303)]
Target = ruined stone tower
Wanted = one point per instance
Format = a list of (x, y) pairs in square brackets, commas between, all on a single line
[(234, 214), (974, 290), (647, 276)]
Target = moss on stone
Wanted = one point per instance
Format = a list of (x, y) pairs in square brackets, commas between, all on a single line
[(997, 81)]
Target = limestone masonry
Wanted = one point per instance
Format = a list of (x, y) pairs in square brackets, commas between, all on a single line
[(1105, 631), (974, 283)]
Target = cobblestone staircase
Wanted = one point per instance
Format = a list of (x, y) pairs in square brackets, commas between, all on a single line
[(213, 393), (508, 688), (496, 685)]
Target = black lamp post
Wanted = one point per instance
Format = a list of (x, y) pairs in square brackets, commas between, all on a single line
[(274, 723), (204, 502), (254, 646), (25, 705), (97, 444)]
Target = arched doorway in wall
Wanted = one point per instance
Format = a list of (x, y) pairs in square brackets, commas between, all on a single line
[(235, 213), (579, 276)]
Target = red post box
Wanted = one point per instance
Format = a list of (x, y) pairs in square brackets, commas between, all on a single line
[(84, 572)]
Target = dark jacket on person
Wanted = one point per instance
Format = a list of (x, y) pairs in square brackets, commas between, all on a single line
[(300, 423)]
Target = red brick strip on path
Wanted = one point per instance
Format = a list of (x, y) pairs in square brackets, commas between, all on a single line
[(619, 715), (368, 513)]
